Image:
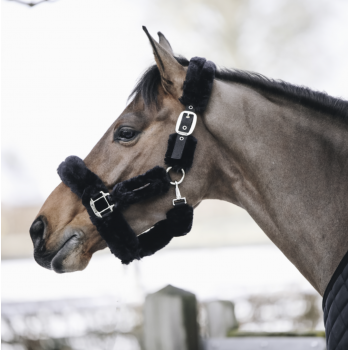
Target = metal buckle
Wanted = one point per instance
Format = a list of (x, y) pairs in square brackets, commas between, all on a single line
[(93, 207), (178, 123)]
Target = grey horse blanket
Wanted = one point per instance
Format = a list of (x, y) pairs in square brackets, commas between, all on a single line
[(335, 308)]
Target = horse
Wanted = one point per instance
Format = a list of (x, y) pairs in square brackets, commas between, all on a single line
[(277, 150)]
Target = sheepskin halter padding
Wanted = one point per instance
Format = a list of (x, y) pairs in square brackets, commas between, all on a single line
[(198, 83), (113, 228), (111, 225)]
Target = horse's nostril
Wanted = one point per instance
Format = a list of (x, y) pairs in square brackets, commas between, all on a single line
[(37, 230)]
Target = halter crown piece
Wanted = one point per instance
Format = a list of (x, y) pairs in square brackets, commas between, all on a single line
[(105, 209)]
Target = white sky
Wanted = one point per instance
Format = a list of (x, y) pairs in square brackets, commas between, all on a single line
[(67, 69), (69, 66)]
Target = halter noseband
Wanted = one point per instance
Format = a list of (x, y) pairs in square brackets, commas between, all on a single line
[(105, 208)]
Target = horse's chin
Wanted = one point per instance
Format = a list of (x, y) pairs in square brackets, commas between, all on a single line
[(70, 257), (67, 255)]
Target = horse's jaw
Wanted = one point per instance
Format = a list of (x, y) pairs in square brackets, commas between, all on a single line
[(70, 256)]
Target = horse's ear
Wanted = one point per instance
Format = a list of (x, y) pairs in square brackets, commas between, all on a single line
[(172, 72), (165, 43)]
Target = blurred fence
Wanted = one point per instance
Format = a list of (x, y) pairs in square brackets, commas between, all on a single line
[(88, 324), (105, 323)]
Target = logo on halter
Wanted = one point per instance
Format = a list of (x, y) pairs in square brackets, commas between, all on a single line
[(97, 205)]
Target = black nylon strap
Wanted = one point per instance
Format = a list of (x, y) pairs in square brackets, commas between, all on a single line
[(186, 160), (179, 146)]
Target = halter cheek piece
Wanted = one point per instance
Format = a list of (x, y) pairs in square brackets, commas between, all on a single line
[(105, 208)]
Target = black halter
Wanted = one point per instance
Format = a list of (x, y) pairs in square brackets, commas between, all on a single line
[(105, 209)]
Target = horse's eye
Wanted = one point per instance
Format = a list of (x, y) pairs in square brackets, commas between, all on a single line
[(125, 134)]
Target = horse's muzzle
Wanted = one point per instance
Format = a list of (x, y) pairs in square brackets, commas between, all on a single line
[(63, 251)]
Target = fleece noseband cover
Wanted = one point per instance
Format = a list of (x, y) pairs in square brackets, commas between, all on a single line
[(105, 208), (112, 226)]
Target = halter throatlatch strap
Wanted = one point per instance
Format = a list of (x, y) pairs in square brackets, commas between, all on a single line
[(105, 208), (196, 93), (111, 225)]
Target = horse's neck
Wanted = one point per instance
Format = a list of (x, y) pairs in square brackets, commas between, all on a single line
[(287, 167)]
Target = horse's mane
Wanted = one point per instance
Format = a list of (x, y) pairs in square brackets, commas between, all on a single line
[(148, 84)]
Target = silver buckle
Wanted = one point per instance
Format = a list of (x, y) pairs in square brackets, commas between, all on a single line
[(93, 207), (178, 123)]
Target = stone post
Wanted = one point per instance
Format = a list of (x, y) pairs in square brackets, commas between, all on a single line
[(171, 320), (220, 315)]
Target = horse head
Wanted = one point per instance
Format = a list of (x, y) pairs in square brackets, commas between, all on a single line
[(63, 236)]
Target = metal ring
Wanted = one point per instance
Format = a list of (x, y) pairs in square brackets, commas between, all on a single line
[(178, 182), (190, 107)]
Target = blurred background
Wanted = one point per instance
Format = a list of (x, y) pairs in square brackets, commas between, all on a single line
[(67, 70)]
